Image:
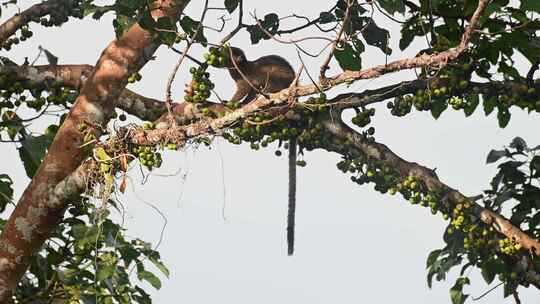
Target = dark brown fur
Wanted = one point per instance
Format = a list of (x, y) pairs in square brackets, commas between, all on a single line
[(268, 74)]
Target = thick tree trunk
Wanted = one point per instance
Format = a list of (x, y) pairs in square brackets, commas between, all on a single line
[(36, 215)]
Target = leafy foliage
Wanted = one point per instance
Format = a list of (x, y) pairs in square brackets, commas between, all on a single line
[(347, 56), (392, 6), (89, 258), (516, 186), (231, 5), (264, 29), (456, 292), (32, 151), (193, 29)]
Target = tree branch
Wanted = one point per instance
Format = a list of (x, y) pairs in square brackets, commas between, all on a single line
[(30, 224), (439, 60), (383, 154), (36, 11), (74, 76), (145, 108)]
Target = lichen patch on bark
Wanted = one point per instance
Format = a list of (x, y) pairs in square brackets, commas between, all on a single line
[(25, 228), (5, 264)]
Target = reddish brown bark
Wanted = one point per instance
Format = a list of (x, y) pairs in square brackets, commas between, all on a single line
[(35, 216)]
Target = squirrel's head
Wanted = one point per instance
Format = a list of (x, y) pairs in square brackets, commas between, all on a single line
[(237, 55)]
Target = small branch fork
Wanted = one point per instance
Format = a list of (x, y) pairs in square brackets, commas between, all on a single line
[(238, 27), (336, 42)]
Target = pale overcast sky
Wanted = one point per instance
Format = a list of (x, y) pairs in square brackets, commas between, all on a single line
[(353, 245)]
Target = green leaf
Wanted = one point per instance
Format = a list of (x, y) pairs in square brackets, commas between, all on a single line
[(32, 151), (535, 166), (431, 272), (508, 289), (530, 5), (495, 155), (168, 30), (518, 143), (472, 103), (14, 128), (105, 272), (432, 257), (326, 17), (79, 231), (160, 266), (151, 278), (535, 220), (54, 257), (84, 234), (531, 48), (255, 34), (129, 254), (512, 174), (489, 103), (503, 115), (270, 23), (487, 275), (377, 37), (191, 26), (348, 58), (490, 268), (508, 70), (231, 5), (407, 36), (491, 52), (146, 21), (144, 298), (392, 6), (436, 3), (96, 11), (88, 299), (438, 105), (456, 292), (129, 7), (488, 11), (122, 23)]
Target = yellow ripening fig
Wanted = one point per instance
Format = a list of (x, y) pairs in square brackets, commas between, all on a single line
[(102, 154)]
